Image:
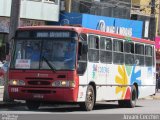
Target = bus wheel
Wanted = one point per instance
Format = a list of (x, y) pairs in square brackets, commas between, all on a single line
[(32, 105), (90, 99), (129, 103)]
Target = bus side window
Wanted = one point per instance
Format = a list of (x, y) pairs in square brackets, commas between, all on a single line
[(139, 54), (79, 50), (93, 52), (105, 50), (82, 54), (129, 53), (148, 55), (118, 56)]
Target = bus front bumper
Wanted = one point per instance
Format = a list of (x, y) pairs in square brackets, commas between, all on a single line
[(44, 94)]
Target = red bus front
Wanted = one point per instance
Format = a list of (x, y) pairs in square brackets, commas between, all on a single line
[(43, 66), (41, 85)]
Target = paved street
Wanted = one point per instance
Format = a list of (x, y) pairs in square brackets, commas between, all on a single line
[(147, 106)]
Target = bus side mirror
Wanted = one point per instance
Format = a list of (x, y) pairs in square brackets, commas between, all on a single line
[(7, 48), (84, 48)]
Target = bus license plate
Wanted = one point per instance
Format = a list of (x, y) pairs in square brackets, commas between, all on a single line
[(39, 96)]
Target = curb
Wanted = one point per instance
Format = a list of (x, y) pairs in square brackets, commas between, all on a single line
[(156, 97), (11, 104), (152, 97)]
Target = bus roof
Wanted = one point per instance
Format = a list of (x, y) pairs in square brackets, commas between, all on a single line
[(86, 30)]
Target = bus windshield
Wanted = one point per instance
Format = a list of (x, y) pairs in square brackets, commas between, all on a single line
[(55, 54)]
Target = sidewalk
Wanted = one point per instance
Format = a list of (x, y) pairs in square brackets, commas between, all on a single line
[(1, 93), (8, 104), (155, 97)]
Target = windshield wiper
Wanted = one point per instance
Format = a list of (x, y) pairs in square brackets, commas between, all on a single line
[(53, 68)]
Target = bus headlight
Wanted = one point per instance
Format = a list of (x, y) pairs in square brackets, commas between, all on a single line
[(17, 82), (63, 83)]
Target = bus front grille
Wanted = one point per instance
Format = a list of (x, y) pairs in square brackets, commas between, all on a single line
[(39, 91), (39, 83)]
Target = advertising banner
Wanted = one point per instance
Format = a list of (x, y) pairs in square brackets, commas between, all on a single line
[(130, 28)]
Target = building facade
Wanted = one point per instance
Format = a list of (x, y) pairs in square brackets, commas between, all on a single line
[(147, 11), (109, 8), (33, 12)]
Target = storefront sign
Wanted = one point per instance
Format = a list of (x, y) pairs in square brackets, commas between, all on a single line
[(129, 28), (112, 29), (4, 24), (27, 22)]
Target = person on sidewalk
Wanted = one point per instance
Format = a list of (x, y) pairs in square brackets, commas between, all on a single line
[(157, 82)]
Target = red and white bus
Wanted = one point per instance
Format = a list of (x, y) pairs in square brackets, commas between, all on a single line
[(79, 65)]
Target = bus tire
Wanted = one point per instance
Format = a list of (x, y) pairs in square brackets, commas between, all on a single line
[(121, 103), (89, 103), (129, 103), (32, 105)]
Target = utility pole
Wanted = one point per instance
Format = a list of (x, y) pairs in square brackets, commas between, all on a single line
[(153, 8), (153, 21), (68, 5), (14, 23)]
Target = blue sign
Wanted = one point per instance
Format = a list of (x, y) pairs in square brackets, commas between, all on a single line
[(130, 28)]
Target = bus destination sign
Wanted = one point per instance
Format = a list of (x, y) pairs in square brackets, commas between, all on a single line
[(45, 34), (53, 34)]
